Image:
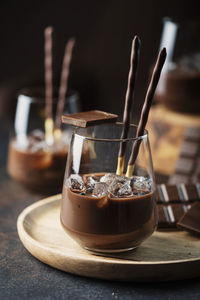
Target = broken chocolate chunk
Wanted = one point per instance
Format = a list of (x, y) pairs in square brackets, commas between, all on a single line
[(88, 118), (190, 221)]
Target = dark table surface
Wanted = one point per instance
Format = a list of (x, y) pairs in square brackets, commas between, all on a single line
[(24, 277)]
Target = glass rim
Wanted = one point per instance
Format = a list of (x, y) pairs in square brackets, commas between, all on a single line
[(142, 137)]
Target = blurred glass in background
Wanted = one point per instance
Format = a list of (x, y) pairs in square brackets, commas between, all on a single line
[(178, 88), (33, 162)]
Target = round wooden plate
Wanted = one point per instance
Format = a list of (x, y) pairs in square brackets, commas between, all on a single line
[(164, 256)]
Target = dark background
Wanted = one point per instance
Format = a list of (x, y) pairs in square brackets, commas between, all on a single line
[(103, 30)]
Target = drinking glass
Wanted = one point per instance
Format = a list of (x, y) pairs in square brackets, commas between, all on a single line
[(178, 88), (103, 211), (35, 164)]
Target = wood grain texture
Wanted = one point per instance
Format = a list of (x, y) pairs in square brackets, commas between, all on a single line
[(165, 256)]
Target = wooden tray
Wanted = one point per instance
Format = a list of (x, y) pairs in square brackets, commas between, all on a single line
[(164, 256)]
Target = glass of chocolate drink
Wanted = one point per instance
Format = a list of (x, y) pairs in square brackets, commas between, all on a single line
[(178, 88), (33, 162), (101, 210)]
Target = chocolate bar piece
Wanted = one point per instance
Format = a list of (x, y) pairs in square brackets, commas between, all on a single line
[(187, 169), (192, 134), (178, 193), (175, 200), (189, 149), (88, 118), (178, 178), (190, 221), (168, 215), (184, 165)]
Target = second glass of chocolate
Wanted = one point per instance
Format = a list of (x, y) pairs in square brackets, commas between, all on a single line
[(32, 162), (102, 211)]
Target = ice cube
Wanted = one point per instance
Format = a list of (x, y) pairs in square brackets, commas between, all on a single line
[(109, 178), (125, 190), (58, 146), (90, 182), (100, 189), (75, 182), (141, 183), (139, 192), (37, 135), (120, 187), (37, 146)]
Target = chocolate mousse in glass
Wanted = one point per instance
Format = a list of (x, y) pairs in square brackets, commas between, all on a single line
[(32, 161), (101, 210)]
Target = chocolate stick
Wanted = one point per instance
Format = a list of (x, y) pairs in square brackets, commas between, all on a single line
[(63, 87), (128, 102), (48, 85), (145, 109)]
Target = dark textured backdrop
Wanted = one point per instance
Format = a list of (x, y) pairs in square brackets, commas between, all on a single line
[(103, 29)]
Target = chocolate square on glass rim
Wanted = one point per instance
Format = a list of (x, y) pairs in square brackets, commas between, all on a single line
[(89, 118)]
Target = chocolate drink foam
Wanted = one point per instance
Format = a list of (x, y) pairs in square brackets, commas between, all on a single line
[(108, 222)]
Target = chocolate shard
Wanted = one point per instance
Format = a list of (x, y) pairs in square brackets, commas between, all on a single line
[(190, 221), (192, 134), (187, 168), (177, 193), (184, 166), (189, 149), (89, 118), (174, 204), (168, 215)]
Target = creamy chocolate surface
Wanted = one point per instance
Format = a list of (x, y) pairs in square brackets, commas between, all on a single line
[(116, 218)]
